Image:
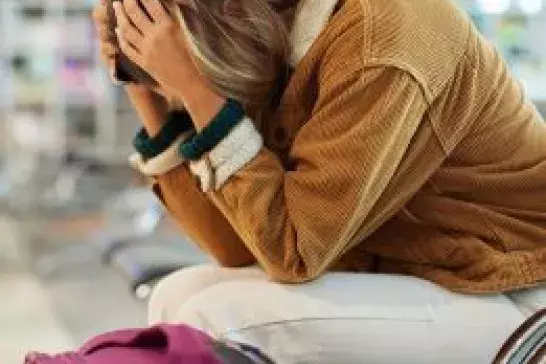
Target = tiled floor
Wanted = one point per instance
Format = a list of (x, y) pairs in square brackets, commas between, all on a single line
[(27, 319), (60, 312)]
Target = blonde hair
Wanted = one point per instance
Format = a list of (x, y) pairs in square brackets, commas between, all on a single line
[(240, 46)]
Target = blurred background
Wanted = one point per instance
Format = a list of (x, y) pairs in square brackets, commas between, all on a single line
[(82, 239)]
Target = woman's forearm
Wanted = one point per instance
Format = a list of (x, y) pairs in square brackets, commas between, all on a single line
[(150, 107), (200, 219)]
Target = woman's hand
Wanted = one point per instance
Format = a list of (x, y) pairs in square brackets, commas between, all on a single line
[(150, 106), (108, 48), (156, 45)]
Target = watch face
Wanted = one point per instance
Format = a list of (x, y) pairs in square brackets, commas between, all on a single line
[(125, 70)]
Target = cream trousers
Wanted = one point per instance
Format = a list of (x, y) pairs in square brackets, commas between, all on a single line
[(343, 317)]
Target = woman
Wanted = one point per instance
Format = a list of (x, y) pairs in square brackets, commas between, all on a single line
[(377, 136)]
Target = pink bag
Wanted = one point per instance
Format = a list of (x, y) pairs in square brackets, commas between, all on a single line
[(162, 344)]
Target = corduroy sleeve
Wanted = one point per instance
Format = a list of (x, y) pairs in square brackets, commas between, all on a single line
[(297, 223), (199, 219)]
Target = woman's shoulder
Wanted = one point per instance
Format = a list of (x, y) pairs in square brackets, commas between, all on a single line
[(427, 38)]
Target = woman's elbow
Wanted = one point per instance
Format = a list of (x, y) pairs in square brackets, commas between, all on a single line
[(235, 261), (296, 273)]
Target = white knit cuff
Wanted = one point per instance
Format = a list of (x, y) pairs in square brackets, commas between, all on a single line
[(238, 148), (164, 162), (241, 133)]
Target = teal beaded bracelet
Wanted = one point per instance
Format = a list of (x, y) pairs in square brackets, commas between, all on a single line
[(219, 128), (177, 123)]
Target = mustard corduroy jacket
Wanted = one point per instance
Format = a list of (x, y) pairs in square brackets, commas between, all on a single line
[(402, 144)]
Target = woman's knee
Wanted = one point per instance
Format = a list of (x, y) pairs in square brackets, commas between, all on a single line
[(298, 323), (174, 290), (232, 306), (177, 288)]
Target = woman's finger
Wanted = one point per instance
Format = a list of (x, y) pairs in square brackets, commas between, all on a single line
[(100, 14), (104, 33), (127, 48), (156, 10), (137, 16), (132, 36), (109, 50), (126, 28)]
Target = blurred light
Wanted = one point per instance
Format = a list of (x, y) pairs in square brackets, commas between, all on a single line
[(147, 222), (531, 6), (26, 130), (143, 291), (494, 6)]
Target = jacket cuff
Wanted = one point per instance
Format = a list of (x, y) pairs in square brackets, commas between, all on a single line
[(163, 162), (229, 156), (219, 127), (177, 122)]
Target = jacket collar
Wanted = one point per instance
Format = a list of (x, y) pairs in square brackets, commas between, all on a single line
[(310, 18)]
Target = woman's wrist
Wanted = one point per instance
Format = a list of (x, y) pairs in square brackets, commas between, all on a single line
[(150, 107), (203, 104)]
